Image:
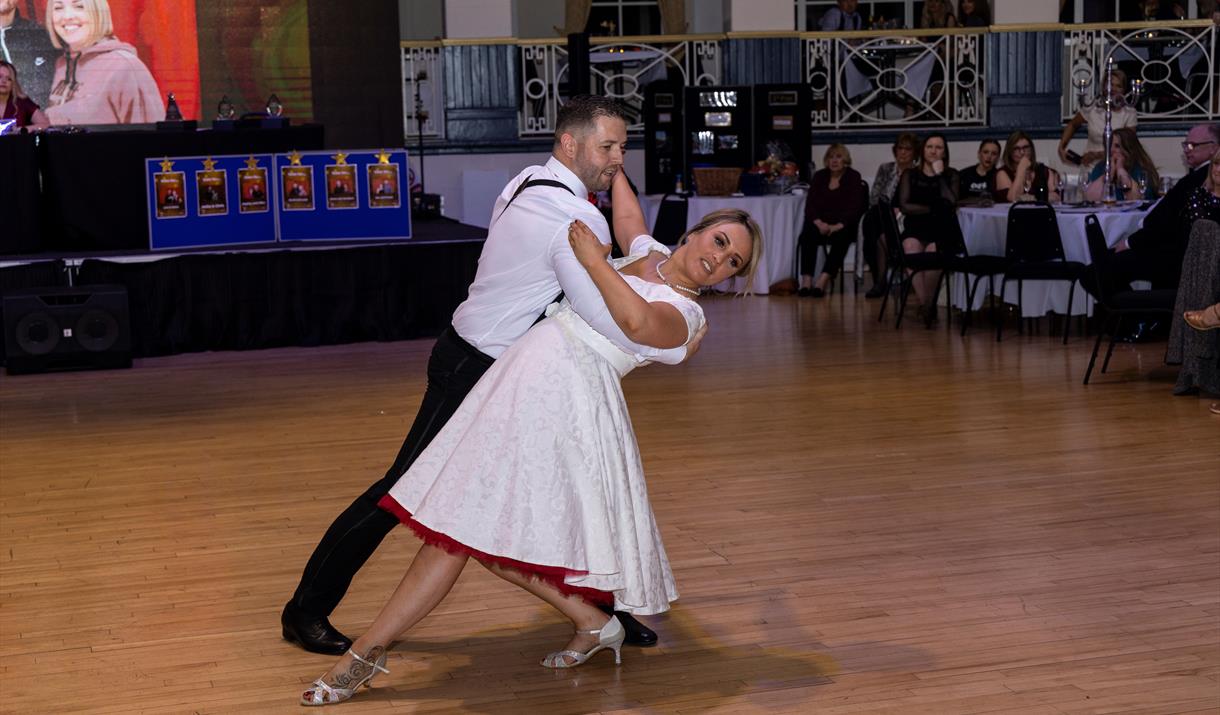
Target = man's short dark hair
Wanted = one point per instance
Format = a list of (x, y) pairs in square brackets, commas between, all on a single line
[(1214, 131), (582, 111)]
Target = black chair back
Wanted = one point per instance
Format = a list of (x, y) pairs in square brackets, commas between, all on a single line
[(1099, 260), (671, 219), (1033, 233)]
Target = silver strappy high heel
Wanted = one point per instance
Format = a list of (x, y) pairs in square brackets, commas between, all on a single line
[(322, 693), (609, 636)]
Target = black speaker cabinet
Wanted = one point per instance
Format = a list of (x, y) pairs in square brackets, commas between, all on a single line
[(66, 329)]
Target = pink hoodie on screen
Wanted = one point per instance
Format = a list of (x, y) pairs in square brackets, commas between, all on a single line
[(105, 84)]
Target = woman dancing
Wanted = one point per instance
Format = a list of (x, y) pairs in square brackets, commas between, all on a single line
[(537, 476)]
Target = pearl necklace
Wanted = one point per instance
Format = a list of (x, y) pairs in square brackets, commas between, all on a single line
[(675, 286)]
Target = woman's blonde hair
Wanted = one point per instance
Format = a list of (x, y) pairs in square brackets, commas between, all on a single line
[(99, 14), (1211, 186), (928, 20), (742, 218), (17, 91), (841, 150)]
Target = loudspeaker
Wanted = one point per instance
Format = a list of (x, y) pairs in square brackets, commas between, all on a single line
[(68, 328)]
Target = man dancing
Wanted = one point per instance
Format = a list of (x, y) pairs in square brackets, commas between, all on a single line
[(522, 269)]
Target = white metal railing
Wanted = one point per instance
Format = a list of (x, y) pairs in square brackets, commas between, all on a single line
[(619, 68), (421, 71), (1170, 68), (873, 79)]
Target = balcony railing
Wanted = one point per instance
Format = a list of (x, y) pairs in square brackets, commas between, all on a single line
[(859, 80), (618, 67), (876, 79), (1170, 68)]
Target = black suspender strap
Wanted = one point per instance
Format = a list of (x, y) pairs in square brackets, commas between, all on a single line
[(534, 182), (525, 185)]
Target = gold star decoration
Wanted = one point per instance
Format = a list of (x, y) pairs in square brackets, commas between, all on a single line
[(383, 157), (340, 158), (209, 164), (167, 165), (294, 158), (251, 163)]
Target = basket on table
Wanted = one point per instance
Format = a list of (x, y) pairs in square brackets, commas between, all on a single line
[(716, 181)]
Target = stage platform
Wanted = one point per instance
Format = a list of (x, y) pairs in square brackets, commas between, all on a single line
[(278, 295)]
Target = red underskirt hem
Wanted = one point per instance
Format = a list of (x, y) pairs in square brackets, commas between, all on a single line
[(552, 575)]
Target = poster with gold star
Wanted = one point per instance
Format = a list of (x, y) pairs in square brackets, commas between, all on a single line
[(252, 188), (383, 183), (296, 185), (170, 188), (341, 184), (211, 189)]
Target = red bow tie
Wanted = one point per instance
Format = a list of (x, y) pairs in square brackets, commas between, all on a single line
[(592, 198)]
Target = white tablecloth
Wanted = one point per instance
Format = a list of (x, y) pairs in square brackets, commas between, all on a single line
[(779, 217), (985, 230)]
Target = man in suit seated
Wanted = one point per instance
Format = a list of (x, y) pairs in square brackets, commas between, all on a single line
[(1154, 253)]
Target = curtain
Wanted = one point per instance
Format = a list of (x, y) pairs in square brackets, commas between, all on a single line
[(575, 16), (673, 16)]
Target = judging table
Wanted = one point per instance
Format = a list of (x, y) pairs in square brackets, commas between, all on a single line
[(779, 216), (986, 229)]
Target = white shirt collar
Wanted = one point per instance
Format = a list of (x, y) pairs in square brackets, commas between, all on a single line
[(565, 175)]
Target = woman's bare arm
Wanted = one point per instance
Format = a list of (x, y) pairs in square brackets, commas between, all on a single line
[(657, 324)]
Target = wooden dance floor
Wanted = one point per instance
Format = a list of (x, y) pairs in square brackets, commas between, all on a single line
[(861, 520)]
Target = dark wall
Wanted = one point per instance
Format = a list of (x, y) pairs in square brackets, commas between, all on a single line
[(357, 72)]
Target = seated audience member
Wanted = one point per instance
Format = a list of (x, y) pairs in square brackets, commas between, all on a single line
[(927, 197), (973, 13), (1133, 175), (837, 200), (842, 18), (1203, 204), (937, 13), (1020, 176), (977, 184), (1198, 350), (1154, 253), (1122, 116), (1198, 290), (885, 185), (14, 104)]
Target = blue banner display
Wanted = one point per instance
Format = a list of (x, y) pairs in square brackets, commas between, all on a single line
[(340, 196), (202, 201)]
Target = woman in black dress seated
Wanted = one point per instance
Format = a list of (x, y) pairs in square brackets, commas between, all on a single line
[(927, 197), (837, 200), (1021, 177)]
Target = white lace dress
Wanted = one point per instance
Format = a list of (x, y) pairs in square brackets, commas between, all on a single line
[(539, 469)]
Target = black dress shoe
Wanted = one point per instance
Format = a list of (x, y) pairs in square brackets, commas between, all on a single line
[(638, 634), (817, 292), (315, 635), (804, 292), (875, 292)]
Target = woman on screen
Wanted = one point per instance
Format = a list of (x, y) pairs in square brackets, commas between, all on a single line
[(14, 104), (98, 79)]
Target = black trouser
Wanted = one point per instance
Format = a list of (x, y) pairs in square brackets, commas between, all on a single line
[(453, 369), (839, 242), (1161, 267)]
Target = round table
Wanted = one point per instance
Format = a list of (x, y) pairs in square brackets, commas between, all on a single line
[(779, 216), (986, 229)]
